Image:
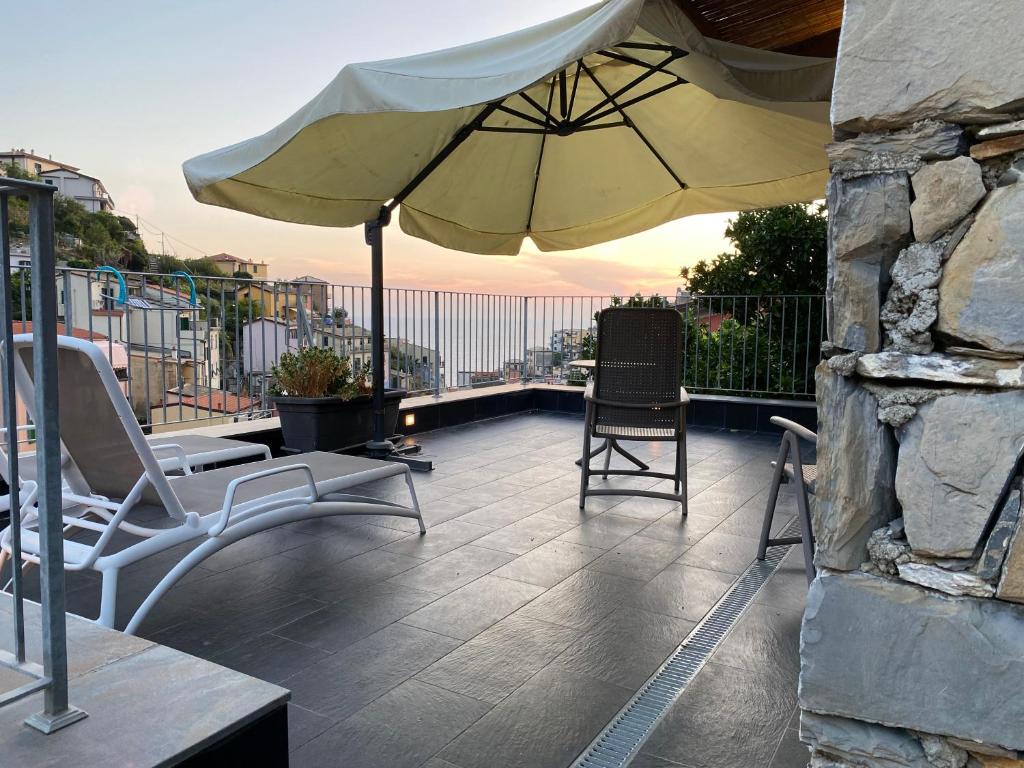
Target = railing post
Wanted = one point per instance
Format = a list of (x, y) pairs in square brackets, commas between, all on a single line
[(437, 346), (526, 341), (56, 713)]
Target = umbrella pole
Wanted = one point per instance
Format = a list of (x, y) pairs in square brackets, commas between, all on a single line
[(380, 447)]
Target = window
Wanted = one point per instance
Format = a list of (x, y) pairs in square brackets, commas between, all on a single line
[(38, 167), (49, 181)]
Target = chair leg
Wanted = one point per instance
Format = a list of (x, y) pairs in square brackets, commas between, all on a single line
[(108, 599), (681, 485), (629, 456), (585, 466), (608, 458), (805, 529), (415, 501), (773, 498)]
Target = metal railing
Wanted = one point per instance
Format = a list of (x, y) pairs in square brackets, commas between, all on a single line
[(203, 347), (34, 202)]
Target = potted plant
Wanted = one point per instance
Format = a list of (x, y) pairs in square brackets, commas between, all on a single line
[(324, 406)]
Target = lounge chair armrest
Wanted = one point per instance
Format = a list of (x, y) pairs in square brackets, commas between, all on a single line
[(791, 426), (684, 396), (178, 461), (229, 495)]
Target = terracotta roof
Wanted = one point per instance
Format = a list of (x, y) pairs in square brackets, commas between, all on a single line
[(219, 402), (78, 333)]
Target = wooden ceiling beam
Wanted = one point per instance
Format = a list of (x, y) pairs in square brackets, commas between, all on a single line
[(769, 24)]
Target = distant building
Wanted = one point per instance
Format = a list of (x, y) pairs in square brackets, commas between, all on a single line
[(279, 300), (478, 379), (315, 289), (265, 339), (702, 314), (167, 340), (540, 361), (30, 162), (87, 190), (229, 265), (567, 343)]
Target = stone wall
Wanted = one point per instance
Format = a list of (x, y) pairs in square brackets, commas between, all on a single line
[(912, 647)]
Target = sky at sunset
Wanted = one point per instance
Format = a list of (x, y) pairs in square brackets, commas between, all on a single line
[(127, 90)]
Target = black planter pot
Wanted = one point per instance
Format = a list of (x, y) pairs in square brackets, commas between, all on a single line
[(330, 424)]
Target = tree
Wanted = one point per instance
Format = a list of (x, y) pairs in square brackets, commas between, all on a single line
[(241, 274), (778, 251)]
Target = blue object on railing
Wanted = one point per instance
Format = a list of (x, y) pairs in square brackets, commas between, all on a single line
[(192, 285), (122, 296)]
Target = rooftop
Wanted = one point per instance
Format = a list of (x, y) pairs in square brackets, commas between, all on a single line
[(517, 627)]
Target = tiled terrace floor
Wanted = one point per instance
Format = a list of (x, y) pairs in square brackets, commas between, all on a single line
[(518, 626)]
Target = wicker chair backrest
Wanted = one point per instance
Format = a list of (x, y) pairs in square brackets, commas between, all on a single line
[(639, 361)]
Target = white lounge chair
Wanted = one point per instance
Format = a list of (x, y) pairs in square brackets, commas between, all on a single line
[(188, 453), (115, 471)]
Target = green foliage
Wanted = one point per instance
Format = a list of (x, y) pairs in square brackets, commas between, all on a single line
[(778, 251), (317, 372), (21, 306), (97, 238), (242, 275), (636, 300), (17, 209), (13, 171)]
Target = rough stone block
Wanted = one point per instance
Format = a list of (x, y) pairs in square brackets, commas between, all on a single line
[(944, 193), (855, 494), (891, 653), (982, 291), (954, 64), (1011, 585), (945, 369), (957, 583), (997, 147), (869, 221), (903, 150), (954, 457), (857, 741), (911, 306)]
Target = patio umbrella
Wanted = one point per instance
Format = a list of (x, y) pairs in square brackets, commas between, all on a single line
[(594, 126)]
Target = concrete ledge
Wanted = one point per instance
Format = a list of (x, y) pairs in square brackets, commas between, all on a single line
[(465, 406), (148, 706)]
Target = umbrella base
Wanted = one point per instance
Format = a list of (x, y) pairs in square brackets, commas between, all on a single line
[(388, 451)]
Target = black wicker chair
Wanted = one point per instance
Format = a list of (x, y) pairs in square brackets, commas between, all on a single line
[(635, 395)]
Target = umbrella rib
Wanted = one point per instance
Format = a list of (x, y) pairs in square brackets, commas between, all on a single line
[(575, 84), (544, 113), (629, 122), (649, 71), (635, 100), (460, 136), (540, 159)]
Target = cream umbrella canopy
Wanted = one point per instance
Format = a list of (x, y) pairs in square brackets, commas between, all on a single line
[(594, 126)]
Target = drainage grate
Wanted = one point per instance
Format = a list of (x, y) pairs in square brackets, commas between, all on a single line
[(622, 738)]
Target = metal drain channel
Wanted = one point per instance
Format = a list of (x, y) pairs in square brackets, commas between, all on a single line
[(622, 738)]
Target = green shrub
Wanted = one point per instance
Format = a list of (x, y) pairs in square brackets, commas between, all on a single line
[(317, 372)]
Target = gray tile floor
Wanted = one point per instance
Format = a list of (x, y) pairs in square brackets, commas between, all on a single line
[(518, 626)]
